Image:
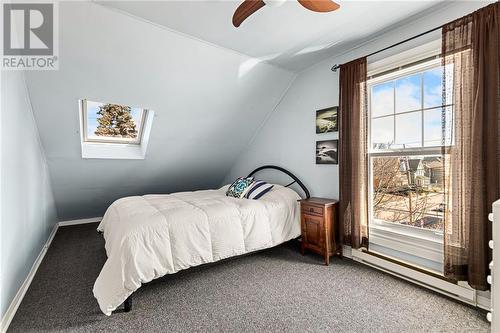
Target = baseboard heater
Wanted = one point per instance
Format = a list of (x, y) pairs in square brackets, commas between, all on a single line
[(463, 293)]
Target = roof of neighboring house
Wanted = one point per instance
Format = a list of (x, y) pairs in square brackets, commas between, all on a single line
[(432, 158), (434, 164)]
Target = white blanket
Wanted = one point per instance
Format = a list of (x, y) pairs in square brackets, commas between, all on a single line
[(153, 235)]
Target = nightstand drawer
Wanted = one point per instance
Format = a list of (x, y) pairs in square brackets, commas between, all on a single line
[(314, 210)]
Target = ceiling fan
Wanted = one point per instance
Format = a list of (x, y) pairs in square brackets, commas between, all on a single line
[(248, 7)]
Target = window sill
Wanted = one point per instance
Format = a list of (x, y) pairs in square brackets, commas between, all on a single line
[(426, 235), (119, 151), (423, 244), (112, 151)]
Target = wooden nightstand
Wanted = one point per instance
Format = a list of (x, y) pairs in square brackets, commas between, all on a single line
[(318, 222)]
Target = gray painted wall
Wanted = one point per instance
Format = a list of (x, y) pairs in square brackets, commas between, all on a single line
[(27, 205), (208, 102), (288, 137)]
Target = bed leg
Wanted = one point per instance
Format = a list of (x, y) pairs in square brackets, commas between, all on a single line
[(127, 305)]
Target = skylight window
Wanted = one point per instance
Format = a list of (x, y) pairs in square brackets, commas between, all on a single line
[(112, 123), (114, 131)]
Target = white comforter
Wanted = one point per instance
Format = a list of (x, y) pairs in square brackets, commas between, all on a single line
[(153, 235)]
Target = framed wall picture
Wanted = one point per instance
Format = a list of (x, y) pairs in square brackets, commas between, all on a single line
[(327, 120), (327, 152)]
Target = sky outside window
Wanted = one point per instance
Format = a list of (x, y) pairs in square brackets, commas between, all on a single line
[(383, 99), (407, 112), (409, 93)]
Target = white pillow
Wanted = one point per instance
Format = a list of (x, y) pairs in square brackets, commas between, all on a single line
[(258, 189)]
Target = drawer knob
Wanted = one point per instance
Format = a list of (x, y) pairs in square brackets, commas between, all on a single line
[(488, 317), (489, 279), (490, 243)]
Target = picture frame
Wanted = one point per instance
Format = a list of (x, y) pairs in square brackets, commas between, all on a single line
[(327, 152), (327, 120)]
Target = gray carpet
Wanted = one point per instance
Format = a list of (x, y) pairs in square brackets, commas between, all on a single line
[(274, 290)]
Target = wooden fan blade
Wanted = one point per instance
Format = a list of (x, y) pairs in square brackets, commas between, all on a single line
[(247, 8), (320, 5)]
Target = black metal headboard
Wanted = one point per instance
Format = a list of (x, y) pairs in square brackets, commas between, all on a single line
[(291, 175)]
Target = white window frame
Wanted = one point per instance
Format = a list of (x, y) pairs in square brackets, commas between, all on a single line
[(115, 149), (424, 243)]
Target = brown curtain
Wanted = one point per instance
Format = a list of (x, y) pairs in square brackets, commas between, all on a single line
[(470, 48), (353, 154)]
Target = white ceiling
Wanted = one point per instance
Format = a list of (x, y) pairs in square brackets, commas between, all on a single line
[(289, 36)]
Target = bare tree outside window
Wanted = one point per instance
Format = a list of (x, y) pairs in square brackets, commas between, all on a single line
[(409, 190)]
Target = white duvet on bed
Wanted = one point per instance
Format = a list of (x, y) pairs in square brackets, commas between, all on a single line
[(153, 235)]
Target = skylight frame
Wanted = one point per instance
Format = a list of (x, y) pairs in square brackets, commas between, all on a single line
[(110, 140)]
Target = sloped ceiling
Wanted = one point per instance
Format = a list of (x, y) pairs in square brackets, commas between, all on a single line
[(288, 36), (208, 102)]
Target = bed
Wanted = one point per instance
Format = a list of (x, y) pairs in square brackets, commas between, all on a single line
[(150, 236)]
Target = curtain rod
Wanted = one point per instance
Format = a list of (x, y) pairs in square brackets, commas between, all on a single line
[(337, 66)]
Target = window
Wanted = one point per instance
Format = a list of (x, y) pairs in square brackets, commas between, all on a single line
[(410, 130), (114, 131), (112, 123), (407, 110), (410, 133)]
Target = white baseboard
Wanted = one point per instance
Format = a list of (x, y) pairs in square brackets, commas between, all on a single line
[(80, 221), (16, 301), (14, 305)]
